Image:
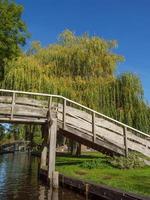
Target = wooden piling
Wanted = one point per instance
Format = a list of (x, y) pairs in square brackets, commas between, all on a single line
[(55, 180), (44, 152), (52, 129)]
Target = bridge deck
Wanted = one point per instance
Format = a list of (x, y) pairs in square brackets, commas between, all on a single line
[(74, 121)]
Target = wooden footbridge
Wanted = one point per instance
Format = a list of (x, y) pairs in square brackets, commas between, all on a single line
[(59, 114)]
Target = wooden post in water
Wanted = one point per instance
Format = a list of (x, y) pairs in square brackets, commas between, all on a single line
[(45, 148), (52, 130)]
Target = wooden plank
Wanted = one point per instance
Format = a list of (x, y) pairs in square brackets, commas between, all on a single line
[(22, 120), (24, 101), (23, 110), (100, 132), (88, 117), (138, 139), (139, 148), (87, 140)]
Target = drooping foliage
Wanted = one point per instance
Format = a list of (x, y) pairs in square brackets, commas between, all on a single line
[(82, 68)]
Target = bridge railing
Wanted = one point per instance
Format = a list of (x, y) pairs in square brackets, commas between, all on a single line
[(128, 131)]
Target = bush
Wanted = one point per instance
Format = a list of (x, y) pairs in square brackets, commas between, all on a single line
[(133, 161), (96, 163)]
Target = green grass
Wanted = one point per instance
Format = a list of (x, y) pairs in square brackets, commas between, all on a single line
[(130, 180)]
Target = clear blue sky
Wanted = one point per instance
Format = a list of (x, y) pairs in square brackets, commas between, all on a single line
[(127, 21)]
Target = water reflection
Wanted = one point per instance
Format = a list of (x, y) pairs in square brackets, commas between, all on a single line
[(18, 180)]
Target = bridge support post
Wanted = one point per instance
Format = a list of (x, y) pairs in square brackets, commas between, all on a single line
[(52, 130), (125, 140), (45, 147)]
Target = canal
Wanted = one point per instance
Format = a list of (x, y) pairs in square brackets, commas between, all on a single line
[(19, 180)]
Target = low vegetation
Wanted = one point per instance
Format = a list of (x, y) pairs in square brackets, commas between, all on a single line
[(98, 168)]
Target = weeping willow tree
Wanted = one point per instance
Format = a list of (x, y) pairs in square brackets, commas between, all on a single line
[(81, 68)]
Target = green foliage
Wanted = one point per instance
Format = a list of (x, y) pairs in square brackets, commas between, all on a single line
[(93, 164), (133, 161), (82, 68), (12, 31)]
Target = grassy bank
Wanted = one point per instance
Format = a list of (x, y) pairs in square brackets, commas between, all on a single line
[(130, 180)]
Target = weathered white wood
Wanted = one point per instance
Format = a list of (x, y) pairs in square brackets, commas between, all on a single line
[(105, 128), (79, 114), (99, 131), (52, 148), (76, 104), (55, 179), (24, 101), (44, 130), (125, 141), (44, 157), (64, 113), (55, 195), (22, 120), (137, 139), (93, 127), (85, 137), (50, 103), (12, 105), (23, 110), (110, 132)]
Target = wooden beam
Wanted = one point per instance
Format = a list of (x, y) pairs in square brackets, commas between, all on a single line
[(64, 114), (93, 127), (50, 103), (52, 129), (125, 140), (44, 152), (12, 105)]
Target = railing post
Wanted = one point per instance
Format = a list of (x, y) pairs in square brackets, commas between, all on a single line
[(125, 140), (64, 113), (93, 127), (52, 130), (50, 105), (13, 104), (50, 102)]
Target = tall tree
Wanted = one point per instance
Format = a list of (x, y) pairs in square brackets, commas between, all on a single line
[(13, 32), (82, 68)]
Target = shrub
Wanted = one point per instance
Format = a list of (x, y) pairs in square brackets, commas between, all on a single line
[(96, 163), (131, 162)]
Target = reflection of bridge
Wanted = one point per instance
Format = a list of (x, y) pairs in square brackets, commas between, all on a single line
[(73, 120), (17, 145)]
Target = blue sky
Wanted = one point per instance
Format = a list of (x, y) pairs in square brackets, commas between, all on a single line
[(127, 21)]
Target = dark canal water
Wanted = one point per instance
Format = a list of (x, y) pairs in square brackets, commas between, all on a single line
[(18, 180)]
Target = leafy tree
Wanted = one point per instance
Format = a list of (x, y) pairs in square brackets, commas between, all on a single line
[(13, 32), (82, 68)]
